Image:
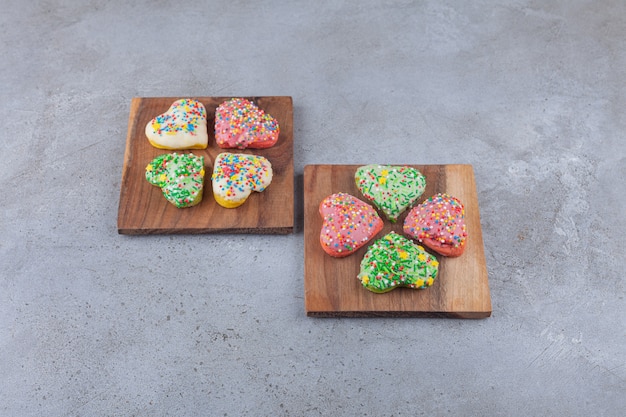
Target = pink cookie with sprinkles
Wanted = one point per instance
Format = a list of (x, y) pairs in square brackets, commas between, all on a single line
[(349, 223), (236, 176), (182, 126), (240, 124), (439, 223)]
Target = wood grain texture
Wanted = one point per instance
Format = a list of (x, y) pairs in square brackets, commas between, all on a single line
[(144, 210), (331, 288)]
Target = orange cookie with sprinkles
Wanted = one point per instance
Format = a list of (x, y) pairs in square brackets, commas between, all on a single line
[(439, 223), (236, 176), (348, 224), (240, 124), (182, 126)]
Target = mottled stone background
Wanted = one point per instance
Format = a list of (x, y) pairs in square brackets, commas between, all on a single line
[(531, 93)]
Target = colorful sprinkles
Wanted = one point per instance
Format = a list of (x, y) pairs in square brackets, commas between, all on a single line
[(235, 176), (348, 224), (391, 188), (180, 177), (440, 218), (183, 116), (239, 123), (182, 126), (395, 261)]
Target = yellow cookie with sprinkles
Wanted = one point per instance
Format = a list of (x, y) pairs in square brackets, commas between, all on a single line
[(236, 176)]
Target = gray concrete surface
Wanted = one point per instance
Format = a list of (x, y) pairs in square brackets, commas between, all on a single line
[(531, 93)]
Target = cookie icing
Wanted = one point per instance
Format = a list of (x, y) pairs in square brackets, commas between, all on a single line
[(182, 126), (180, 177), (394, 261), (235, 176), (348, 224), (239, 123), (438, 222), (391, 188)]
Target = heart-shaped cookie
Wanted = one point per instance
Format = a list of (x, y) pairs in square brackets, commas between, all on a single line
[(239, 123), (438, 223), (182, 126), (394, 261), (236, 175), (348, 224), (391, 188), (180, 176)]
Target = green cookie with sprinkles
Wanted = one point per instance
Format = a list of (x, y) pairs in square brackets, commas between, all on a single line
[(180, 177), (392, 189), (394, 261)]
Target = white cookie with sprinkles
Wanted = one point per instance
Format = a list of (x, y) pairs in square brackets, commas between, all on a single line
[(236, 176), (182, 126)]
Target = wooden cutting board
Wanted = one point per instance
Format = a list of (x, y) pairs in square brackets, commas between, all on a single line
[(331, 288), (144, 210)]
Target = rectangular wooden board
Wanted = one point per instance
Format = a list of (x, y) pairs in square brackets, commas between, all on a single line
[(331, 288), (144, 210)]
